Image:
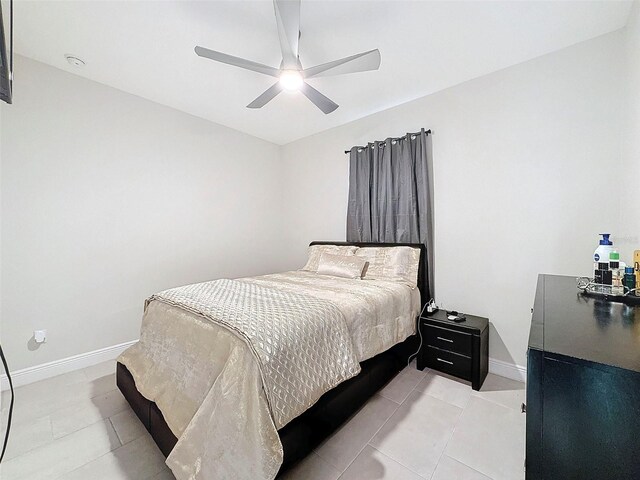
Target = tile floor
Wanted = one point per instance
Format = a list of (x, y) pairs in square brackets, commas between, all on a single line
[(422, 425)]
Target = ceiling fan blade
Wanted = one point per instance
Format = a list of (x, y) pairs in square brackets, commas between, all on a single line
[(237, 61), (288, 21), (267, 96), (318, 99), (355, 63)]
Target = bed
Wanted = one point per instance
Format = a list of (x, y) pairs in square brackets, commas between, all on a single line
[(227, 418)]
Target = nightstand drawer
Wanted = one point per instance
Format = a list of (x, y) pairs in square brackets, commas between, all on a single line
[(447, 362), (445, 339)]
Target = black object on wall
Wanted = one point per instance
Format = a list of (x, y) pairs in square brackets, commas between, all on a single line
[(583, 386), (10, 416), (6, 58)]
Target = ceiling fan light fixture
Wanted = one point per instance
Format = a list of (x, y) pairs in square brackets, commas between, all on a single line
[(291, 80), (291, 75)]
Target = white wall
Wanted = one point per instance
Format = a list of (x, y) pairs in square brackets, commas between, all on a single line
[(525, 162), (630, 171), (107, 198)]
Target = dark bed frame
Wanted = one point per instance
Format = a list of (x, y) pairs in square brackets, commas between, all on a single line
[(300, 436)]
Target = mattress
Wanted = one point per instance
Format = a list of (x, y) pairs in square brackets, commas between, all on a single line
[(208, 385)]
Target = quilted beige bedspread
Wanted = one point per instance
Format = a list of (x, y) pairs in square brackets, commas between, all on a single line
[(230, 362)]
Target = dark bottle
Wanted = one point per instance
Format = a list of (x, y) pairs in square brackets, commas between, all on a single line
[(629, 280)]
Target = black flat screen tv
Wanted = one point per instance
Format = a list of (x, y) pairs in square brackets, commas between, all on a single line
[(5, 53)]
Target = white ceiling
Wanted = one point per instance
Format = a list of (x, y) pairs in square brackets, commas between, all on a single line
[(146, 48)]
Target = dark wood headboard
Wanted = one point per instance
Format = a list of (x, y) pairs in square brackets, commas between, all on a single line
[(423, 278)]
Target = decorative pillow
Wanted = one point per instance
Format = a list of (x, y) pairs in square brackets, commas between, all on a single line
[(398, 264), (315, 251), (347, 266)]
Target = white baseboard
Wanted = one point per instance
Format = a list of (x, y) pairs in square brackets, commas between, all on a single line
[(65, 365), (69, 364), (508, 370)]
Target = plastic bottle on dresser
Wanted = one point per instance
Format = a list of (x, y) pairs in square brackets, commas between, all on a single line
[(616, 274), (603, 251), (629, 279)]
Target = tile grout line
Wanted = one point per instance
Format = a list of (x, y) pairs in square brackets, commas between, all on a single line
[(448, 440), (91, 397), (54, 438), (452, 432), (22, 422), (426, 371), (90, 461), (341, 474), (470, 468), (450, 437), (115, 431), (494, 402), (415, 386), (443, 450), (473, 395), (368, 443), (374, 434), (64, 474), (399, 463), (477, 394)]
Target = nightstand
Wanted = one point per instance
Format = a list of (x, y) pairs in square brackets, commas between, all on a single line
[(459, 349)]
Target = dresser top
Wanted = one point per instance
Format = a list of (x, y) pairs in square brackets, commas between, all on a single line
[(567, 323)]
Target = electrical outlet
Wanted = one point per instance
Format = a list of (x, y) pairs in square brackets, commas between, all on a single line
[(40, 336)]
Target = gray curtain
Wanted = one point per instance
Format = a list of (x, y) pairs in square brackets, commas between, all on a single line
[(390, 194)]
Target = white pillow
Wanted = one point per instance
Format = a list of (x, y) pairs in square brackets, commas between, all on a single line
[(347, 266), (315, 251), (398, 264)]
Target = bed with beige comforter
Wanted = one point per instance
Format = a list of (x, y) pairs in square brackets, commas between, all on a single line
[(230, 362)]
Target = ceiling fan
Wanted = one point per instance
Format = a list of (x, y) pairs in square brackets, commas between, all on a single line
[(291, 76)]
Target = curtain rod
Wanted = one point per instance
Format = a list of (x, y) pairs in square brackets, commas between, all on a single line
[(428, 132)]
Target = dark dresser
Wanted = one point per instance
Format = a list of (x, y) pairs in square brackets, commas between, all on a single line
[(583, 386), (459, 349)]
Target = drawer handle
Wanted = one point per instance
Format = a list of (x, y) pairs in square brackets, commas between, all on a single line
[(445, 339), (445, 361)]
